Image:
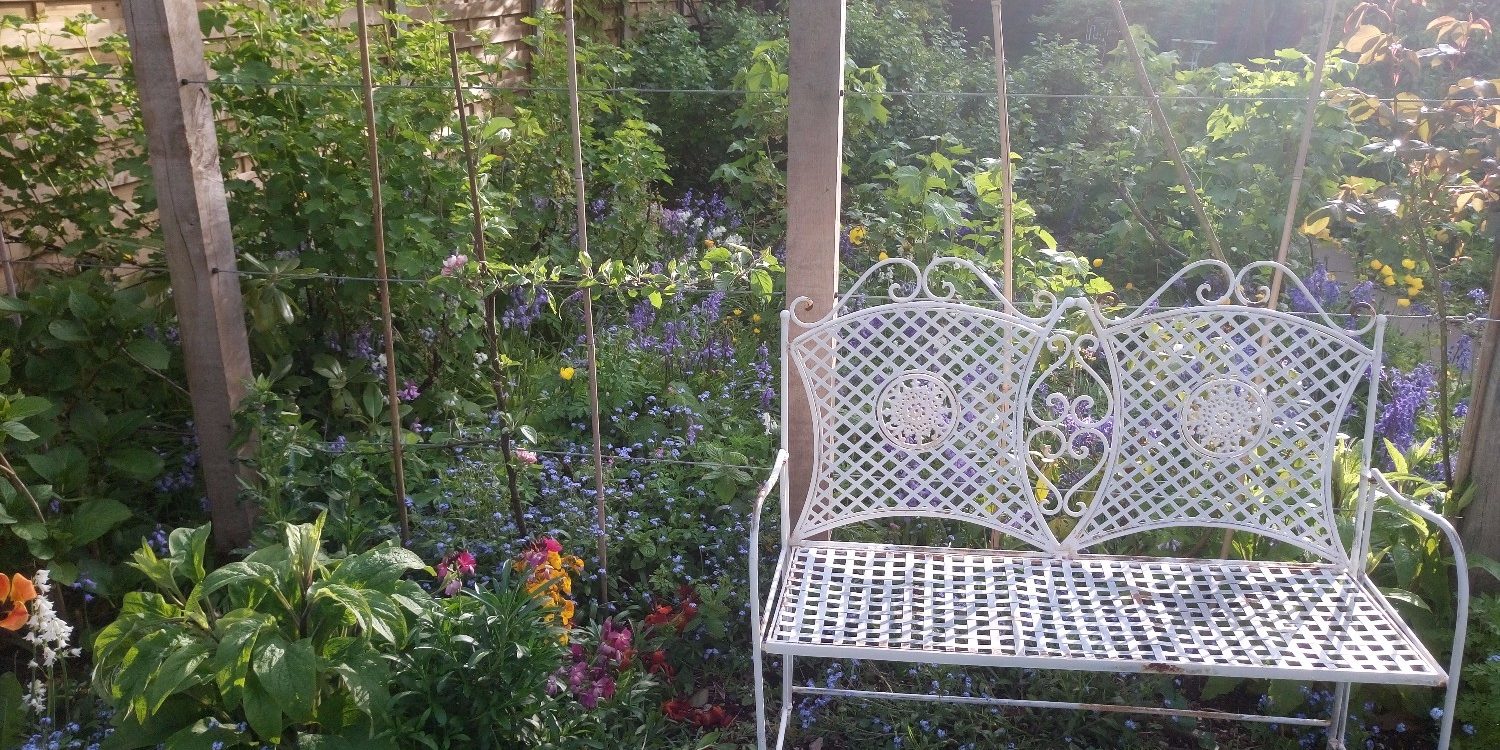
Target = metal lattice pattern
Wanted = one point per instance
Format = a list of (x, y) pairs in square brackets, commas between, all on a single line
[(917, 410), (1236, 618), (1226, 417)]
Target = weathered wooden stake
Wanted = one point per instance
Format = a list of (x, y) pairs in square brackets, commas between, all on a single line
[(1304, 144), (382, 270), (1153, 103), (580, 196), (166, 45), (1477, 464), (815, 139), (1007, 195)]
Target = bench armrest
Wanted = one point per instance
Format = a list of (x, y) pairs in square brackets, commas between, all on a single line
[(756, 510), (1382, 486)]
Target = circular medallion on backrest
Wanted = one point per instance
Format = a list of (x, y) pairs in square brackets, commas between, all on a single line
[(916, 410), (1225, 417)]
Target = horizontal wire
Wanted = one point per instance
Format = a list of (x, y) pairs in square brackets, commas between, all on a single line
[(565, 287), (522, 88), (382, 448)]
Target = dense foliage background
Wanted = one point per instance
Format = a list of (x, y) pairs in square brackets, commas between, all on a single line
[(325, 633)]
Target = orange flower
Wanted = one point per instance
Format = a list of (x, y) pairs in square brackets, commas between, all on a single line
[(14, 593)]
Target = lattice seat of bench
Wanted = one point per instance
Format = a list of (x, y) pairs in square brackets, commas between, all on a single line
[(1064, 429), (1234, 618)]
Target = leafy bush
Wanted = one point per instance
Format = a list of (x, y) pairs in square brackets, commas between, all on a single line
[(287, 645)]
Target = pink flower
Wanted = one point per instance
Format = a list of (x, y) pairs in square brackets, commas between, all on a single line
[(615, 642), (466, 562), (526, 456), (454, 263), (551, 544)]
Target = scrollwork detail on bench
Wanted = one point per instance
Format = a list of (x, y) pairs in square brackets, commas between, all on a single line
[(1065, 429)]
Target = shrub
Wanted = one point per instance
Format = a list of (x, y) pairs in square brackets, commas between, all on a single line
[(286, 645)]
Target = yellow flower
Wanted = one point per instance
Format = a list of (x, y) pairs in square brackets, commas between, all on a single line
[(1098, 262), (1416, 281), (755, 318), (1403, 302), (566, 373), (883, 256), (1130, 285), (738, 312), (708, 243), (755, 330), (1386, 271), (857, 235), (1408, 263), (1376, 265), (1390, 281), (1413, 291)]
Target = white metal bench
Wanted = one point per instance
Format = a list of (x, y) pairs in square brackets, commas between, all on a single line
[(1218, 413)]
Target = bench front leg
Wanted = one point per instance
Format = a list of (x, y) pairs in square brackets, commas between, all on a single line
[(1461, 614), (777, 468)]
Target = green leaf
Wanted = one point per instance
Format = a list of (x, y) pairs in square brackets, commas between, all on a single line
[(13, 305), (18, 431), (95, 518), (239, 572), (1486, 564), (377, 568), (137, 463), (260, 710), (1405, 597), (288, 672), (28, 406), (61, 466), (12, 711), (1215, 687), (68, 330), (178, 672), (152, 354)]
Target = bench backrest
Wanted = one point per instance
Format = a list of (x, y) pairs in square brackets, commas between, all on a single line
[(1069, 426)]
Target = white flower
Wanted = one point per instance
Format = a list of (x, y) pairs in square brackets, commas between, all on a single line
[(697, 222), (48, 633), (734, 239), (36, 696), (717, 232)]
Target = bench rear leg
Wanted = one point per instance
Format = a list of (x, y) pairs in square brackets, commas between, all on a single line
[(786, 701), (760, 694), (1338, 726)]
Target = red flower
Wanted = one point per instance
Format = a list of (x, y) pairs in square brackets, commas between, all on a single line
[(677, 709), (689, 612), (713, 716), (656, 663), (661, 615), (466, 563)]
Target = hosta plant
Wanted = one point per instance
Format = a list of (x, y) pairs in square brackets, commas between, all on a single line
[(287, 646)]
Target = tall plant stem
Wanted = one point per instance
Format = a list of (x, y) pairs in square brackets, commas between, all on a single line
[(498, 382), (1445, 414)]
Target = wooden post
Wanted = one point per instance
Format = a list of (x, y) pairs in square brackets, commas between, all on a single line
[(166, 45), (1477, 466), (815, 138)]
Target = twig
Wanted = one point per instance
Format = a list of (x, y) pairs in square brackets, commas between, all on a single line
[(21, 487)]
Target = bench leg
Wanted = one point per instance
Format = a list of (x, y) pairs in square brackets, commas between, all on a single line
[(1338, 720), (786, 701), (760, 695)]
